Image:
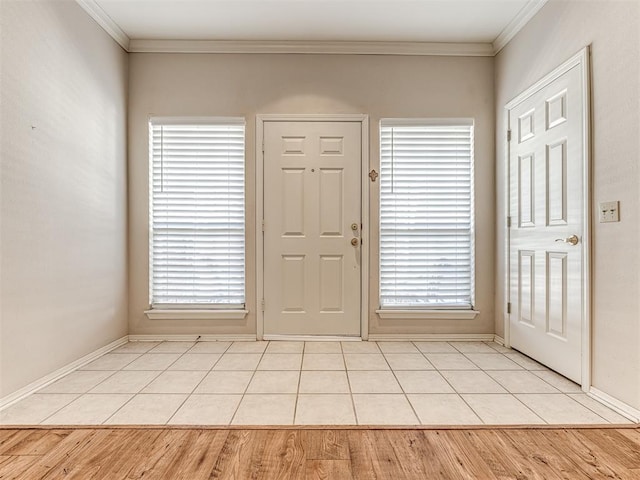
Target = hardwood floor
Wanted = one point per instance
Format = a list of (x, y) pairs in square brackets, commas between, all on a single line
[(161, 453)]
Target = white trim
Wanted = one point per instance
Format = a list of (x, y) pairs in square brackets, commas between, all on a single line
[(517, 23), (614, 404), (311, 338), (364, 264), (59, 373), (232, 337), (420, 122), (96, 12), (428, 314), (580, 60), (499, 340), (312, 47), (197, 120), (432, 337), (169, 314)]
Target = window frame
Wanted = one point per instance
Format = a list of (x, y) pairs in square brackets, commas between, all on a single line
[(424, 311), (196, 311)]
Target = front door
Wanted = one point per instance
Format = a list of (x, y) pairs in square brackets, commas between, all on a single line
[(547, 163), (312, 223)]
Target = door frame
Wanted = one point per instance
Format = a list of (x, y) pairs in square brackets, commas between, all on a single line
[(363, 119), (580, 60)]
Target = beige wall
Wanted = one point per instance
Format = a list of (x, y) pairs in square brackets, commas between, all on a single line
[(244, 85), (63, 286), (558, 31)]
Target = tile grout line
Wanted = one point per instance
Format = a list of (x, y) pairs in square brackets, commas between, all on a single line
[(135, 394), (295, 406), (244, 394), (346, 372), (116, 371), (520, 370), (404, 394), (458, 393), (189, 395), (80, 395)]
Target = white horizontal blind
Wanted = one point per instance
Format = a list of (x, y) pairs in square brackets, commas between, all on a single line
[(426, 214), (197, 214)]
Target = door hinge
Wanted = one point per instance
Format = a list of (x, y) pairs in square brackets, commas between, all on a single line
[(509, 307), (262, 304), (262, 146), (508, 222), (508, 135), (263, 225)]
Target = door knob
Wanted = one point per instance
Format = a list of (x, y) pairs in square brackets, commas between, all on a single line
[(354, 242), (354, 226), (573, 240)]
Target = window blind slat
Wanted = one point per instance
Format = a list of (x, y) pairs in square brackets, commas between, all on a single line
[(426, 215), (197, 214)]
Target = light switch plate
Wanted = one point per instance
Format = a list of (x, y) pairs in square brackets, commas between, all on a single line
[(609, 212)]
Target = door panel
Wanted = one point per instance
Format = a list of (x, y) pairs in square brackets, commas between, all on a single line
[(311, 200), (547, 204)]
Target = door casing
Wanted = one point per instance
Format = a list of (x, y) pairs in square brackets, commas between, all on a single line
[(581, 60), (363, 119)]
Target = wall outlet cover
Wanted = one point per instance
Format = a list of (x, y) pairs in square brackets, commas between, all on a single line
[(609, 212)]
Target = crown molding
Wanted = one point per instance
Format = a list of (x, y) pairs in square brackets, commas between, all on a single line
[(96, 12), (519, 21), (312, 47)]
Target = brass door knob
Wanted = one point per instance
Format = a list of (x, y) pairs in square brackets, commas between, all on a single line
[(354, 242), (572, 240)]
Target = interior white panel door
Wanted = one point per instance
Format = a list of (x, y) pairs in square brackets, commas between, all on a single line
[(546, 156), (312, 222)]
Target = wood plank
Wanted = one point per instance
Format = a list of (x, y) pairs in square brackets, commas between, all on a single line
[(589, 461), (157, 457), (417, 460), (494, 444), (76, 443), (124, 456), (13, 467), (328, 470), (11, 438), (617, 447), (468, 457), (241, 455), (326, 444), (535, 447), (199, 461), (36, 443), (197, 453), (84, 463), (284, 448), (631, 434), (372, 456)]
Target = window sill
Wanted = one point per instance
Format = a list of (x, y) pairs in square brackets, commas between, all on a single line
[(428, 314), (196, 314)]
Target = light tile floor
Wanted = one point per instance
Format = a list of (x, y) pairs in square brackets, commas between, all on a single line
[(317, 383)]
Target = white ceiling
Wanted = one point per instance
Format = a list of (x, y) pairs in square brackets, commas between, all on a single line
[(420, 21)]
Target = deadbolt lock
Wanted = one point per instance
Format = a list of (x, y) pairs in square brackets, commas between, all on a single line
[(354, 242), (354, 226)]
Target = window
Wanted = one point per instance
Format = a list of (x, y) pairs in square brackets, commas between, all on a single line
[(197, 213), (426, 214)]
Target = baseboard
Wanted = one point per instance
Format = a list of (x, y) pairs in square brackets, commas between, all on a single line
[(233, 337), (312, 338), (622, 408), (61, 372), (498, 339), (433, 337)]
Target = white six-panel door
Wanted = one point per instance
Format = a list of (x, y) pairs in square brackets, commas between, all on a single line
[(312, 224), (547, 208)]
